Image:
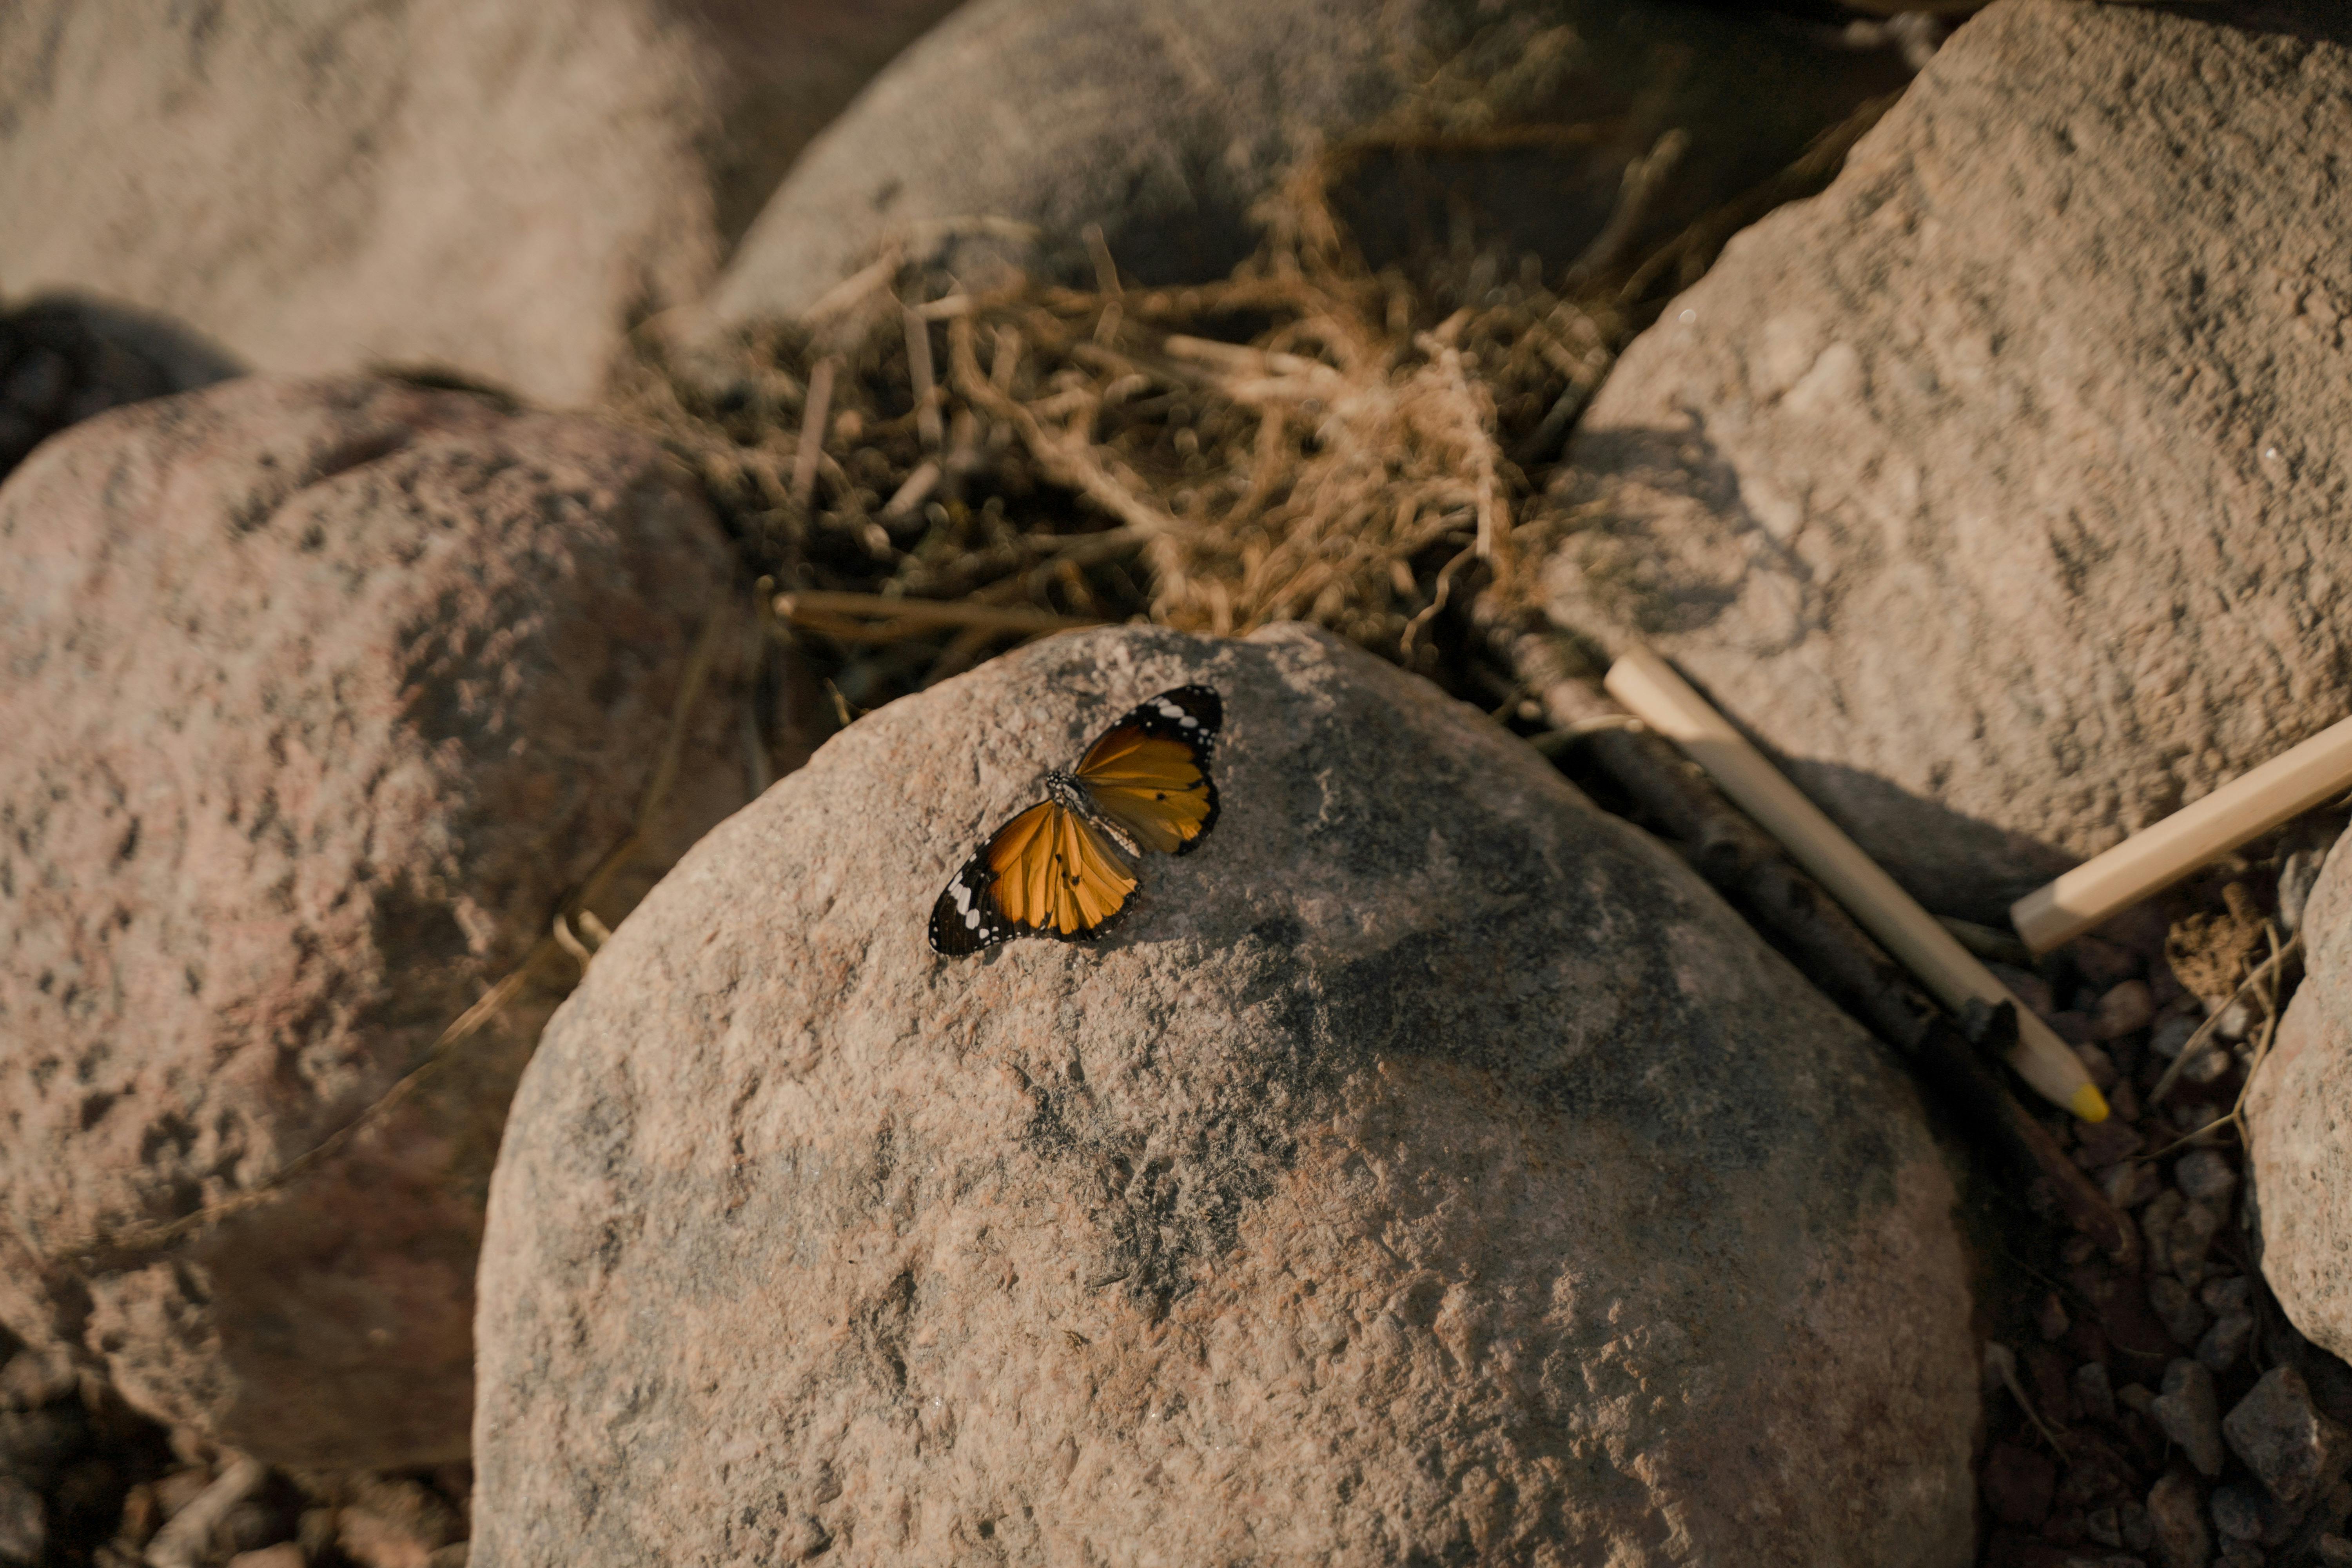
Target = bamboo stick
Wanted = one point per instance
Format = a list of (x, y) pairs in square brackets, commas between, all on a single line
[(2154, 857), (1664, 701)]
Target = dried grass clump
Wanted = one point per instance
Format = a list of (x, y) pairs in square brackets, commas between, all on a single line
[(923, 474)]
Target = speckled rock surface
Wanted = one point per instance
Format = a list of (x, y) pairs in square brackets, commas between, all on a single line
[(2002, 489), (2300, 1147), (1430, 1170), (998, 137), (503, 186), (321, 697)]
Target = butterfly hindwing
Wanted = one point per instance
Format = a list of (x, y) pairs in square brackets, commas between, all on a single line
[(1149, 771), (1047, 872)]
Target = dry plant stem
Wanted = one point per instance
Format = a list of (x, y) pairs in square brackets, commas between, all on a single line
[(1745, 864), (185, 1538), (125, 1246), (2246, 988), (823, 611), (2269, 997), (811, 442), (920, 379), (1067, 461), (2017, 1392)]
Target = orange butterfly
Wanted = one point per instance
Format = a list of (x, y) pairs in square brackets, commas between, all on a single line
[(1057, 868)]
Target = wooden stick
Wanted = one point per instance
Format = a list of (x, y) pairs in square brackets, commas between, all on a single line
[(925, 612), (2154, 857), (1664, 701), (1743, 863)]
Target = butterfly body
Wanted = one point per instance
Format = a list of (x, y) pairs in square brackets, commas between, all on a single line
[(1062, 867)]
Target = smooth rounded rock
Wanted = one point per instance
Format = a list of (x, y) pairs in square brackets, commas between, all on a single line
[(1999, 490), (1002, 135), (2299, 1142), (500, 186), (1428, 1169), (322, 699)]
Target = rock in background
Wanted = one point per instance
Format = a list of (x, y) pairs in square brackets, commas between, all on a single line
[(1013, 125), (2300, 1145), (66, 357), (321, 697), (2002, 489), (1429, 1169), (501, 187)]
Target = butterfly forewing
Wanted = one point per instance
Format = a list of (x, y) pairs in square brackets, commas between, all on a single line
[(1149, 771), (1051, 872)]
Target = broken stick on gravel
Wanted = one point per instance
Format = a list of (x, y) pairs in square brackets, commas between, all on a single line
[(2154, 857), (1664, 701)]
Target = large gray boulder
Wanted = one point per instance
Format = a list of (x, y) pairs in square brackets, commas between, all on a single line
[(321, 700), (1000, 136), (1999, 489), (1430, 1169), (2299, 1146), (502, 186)]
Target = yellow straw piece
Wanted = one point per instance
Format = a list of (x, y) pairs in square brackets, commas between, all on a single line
[(1665, 702)]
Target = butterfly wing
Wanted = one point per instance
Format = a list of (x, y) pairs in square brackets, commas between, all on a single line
[(1149, 771), (1045, 873)]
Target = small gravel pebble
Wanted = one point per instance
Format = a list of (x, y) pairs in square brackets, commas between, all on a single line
[(2284, 1438), (2182, 1317), (2226, 1340), (2017, 1483), (2101, 962), (2126, 1009), (2230, 1293), (31, 1380), (2176, 1523), (2050, 1319), (2335, 1552), (2105, 1142), (2156, 1222), (2128, 1186), (2186, 1413), (2243, 1513), (2297, 873), (2211, 1060), (2205, 1176), (23, 1523), (2095, 1393), (2138, 1528), (2102, 1525), (2236, 1018), (2096, 1062), (2175, 1027), (285, 1554), (2027, 987)]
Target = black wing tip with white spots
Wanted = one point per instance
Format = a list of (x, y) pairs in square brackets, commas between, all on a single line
[(1167, 713), (965, 919)]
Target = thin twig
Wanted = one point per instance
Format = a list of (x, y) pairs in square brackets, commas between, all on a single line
[(2213, 1020), (922, 613), (811, 442)]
